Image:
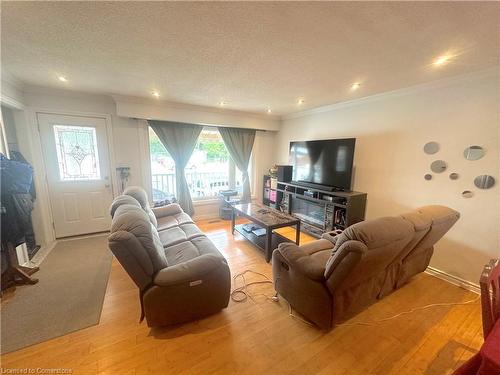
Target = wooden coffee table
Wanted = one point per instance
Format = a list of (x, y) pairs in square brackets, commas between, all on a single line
[(268, 219)]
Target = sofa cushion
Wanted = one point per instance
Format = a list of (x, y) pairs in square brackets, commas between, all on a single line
[(138, 194), (120, 201), (168, 210), (141, 196), (377, 233), (134, 220), (167, 222), (180, 233), (181, 252), (187, 250)]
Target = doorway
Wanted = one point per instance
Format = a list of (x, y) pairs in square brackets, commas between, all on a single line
[(76, 156)]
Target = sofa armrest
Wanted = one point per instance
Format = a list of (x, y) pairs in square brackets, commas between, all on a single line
[(168, 210), (343, 261), (191, 271), (301, 261), (331, 236)]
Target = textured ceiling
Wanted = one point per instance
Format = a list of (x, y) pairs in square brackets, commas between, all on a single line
[(251, 55)]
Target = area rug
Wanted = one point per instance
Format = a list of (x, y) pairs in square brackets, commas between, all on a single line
[(69, 296)]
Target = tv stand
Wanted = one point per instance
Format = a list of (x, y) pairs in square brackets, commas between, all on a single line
[(320, 210), (316, 186)]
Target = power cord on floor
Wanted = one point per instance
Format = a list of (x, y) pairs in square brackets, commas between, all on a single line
[(374, 322), (241, 294)]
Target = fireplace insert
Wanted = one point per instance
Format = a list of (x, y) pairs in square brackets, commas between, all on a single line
[(309, 211)]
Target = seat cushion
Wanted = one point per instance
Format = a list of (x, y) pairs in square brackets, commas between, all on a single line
[(180, 233), (167, 222), (187, 250)]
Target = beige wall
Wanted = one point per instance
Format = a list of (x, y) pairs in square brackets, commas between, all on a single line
[(391, 130)]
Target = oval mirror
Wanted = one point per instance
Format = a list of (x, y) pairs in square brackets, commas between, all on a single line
[(431, 148), (438, 166), (428, 177), (454, 176), (467, 194), (484, 181), (473, 153)]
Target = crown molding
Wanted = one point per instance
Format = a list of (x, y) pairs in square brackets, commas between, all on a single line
[(12, 94), (432, 85)]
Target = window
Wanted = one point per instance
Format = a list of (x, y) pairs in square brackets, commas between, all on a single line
[(209, 170), (77, 155)]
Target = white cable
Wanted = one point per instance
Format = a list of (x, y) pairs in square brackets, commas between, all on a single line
[(373, 322), (242, 291), (245, 294)]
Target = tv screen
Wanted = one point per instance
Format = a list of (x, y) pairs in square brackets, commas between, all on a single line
[(325, 162)]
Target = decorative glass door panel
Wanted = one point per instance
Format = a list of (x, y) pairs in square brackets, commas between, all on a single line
[(77, 154)]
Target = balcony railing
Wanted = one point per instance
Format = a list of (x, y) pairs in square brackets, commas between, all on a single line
[(201, 185)]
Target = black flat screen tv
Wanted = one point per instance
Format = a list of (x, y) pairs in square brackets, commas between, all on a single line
[(324, 162)]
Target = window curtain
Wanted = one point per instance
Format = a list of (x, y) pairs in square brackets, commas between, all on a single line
[(239, 143), (180, 140)]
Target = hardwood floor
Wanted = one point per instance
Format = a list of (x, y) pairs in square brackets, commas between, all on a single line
[(259, 336)]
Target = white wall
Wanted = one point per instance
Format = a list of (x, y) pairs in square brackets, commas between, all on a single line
[(391, 130)]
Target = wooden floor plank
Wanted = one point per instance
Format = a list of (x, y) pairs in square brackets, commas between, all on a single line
[(259, 336)]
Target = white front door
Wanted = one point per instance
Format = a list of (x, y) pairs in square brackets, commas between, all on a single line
[(77, 163)]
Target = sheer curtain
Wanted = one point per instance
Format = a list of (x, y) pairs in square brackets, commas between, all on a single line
[(180, 140), (239, 143)]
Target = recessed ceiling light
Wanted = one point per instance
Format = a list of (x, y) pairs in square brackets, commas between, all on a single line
[(269, 110), (222, 103), (62, 78), (156, 94), (442, 60), (355, 86), (300, 101)]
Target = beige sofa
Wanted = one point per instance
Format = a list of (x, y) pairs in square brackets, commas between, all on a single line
[(180, 274), (331, 279)]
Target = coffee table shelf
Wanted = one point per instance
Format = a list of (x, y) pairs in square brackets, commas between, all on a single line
[(268, 219), (260, 241)]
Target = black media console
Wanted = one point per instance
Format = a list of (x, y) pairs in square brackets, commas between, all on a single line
[(319, 210)]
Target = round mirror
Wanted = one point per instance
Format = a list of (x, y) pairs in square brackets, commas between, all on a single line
[(428, 177), (467, 194), (484, 181), (438, 166), (454, 176), (473, 153), (431, 148)]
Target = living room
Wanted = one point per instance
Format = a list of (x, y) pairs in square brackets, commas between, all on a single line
[(224, 90)]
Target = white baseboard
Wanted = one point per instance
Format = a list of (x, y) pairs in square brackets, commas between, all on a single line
[(210, 216), (41, 254), (455, 280)]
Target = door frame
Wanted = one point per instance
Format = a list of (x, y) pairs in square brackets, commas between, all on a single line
[(40, 176)]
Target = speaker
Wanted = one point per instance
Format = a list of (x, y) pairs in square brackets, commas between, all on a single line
[(284, 173)]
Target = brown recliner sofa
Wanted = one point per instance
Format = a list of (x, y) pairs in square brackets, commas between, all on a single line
[(333, 278), (180, 274)]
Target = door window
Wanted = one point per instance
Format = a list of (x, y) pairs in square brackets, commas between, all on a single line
[(77, 154)]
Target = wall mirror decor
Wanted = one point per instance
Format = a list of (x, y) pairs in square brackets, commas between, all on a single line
[(438, 166), (484, 181), (454, 176), (428, 177), (467, 194), (474, 152), (431, 148)]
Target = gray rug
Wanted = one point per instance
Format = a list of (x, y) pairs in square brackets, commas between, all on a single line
[(68, 297)]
